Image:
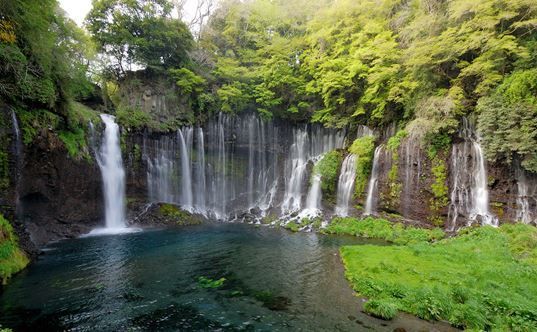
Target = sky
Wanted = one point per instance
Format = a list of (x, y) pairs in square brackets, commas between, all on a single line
[(78, 9)]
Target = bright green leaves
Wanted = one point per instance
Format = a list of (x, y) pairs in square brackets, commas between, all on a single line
[(139, 32), (187, 81)]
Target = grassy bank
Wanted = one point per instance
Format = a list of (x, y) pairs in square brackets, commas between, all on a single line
[(12, 258), (383, 230), (485, 278)]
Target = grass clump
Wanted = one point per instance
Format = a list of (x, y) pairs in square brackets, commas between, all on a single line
[(363, 148), (75, 142), (485, 278), (382, 229), (12, 258), (381, 308), (328, 168)]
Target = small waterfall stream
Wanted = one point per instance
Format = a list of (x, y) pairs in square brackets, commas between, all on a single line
[(469, 193), (372, 188), (17, 132), (345, 185), (526, 202)]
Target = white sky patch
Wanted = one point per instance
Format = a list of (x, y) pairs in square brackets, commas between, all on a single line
[(76, 9)]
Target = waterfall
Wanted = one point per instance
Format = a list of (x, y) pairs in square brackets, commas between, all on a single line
[(309, 144), (297, 165), (186, 174), (17, 132), (372, 188), (231, 166), (313, 200), (525, 196), (469, 194), (113, 174), (345, 185), (200, 174)]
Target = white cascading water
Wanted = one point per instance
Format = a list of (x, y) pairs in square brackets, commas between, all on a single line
[(298, 164), (525, 196), (234, 165), (469, 193), (412, 170), (186, 174), (201, 184), (372, 188), (17, 132), (313, 200), (345, 185), (113, 175)]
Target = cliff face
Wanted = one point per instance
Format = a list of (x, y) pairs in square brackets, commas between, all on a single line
[(50, 196), (412, 193)]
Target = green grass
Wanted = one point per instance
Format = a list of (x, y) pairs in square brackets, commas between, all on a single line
[(12, 258), (382, 229), (484, 279)]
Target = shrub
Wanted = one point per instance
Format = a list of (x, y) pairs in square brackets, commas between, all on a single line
[(328, 168), (363, 148), (133, 118)]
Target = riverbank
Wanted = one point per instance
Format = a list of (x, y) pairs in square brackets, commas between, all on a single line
[(484, 278)]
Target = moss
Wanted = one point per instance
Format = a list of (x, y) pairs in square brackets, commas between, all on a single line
[(178, 216), (80, 115), (483, 279), (395, 141), (12, 258), (33, 121), (205, 282), (292, 226), (4, 170), (439, 189), (75, 143), (328, 168), (269, 219), (363, 148), (133, 118)]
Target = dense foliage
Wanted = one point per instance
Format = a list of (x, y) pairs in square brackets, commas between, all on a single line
[(140, 32), (422, 63), (484, 279), (43, 56)]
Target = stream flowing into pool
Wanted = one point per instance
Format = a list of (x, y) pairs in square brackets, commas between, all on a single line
[(163, 280)]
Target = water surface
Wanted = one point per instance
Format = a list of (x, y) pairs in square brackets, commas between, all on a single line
[(274, 281)]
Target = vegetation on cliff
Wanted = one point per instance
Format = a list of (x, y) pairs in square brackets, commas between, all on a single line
[(12, 258), (483, 279), (328, 168)]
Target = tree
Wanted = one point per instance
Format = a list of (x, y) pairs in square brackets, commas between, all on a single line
[(139, 33)]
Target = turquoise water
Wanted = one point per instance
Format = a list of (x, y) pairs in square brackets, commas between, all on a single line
[(274, 281)]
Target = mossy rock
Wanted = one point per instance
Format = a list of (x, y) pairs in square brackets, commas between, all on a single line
[(173, 214)]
